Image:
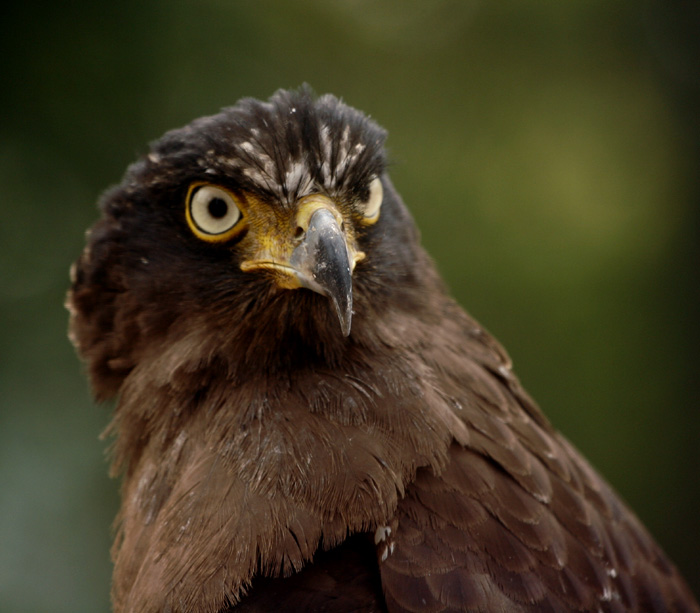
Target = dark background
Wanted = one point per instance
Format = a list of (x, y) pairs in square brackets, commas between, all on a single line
[(549, 152)]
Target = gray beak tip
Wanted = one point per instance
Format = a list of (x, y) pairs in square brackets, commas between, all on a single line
[(322, 263), (345, 318)]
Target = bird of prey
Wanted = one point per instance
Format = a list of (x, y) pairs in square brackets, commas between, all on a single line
[(305, 420)]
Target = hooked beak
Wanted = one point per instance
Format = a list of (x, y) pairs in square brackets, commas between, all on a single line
[(322, 259), (321, 263)]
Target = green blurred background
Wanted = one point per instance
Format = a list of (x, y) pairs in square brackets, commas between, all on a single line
[(548, 150)]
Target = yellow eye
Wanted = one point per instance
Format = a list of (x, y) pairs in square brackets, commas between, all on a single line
[(370, 207), (212, 213)]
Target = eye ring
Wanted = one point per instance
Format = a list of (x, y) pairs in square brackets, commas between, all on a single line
[(212, 213), (371, 206)]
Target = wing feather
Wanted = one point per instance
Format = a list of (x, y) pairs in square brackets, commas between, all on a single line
[(475, 538)]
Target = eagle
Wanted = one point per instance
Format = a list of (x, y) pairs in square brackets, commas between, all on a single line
[(305, 420)]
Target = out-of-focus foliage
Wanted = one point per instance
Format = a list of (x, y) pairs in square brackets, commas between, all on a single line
[(548, 151)]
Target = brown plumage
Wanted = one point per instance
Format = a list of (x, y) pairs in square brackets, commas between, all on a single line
[(305, 419)]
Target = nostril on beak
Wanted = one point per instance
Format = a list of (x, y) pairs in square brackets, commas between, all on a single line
[(299, 232)]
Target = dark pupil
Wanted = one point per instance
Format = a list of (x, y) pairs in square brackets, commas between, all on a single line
[(217, 208)]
